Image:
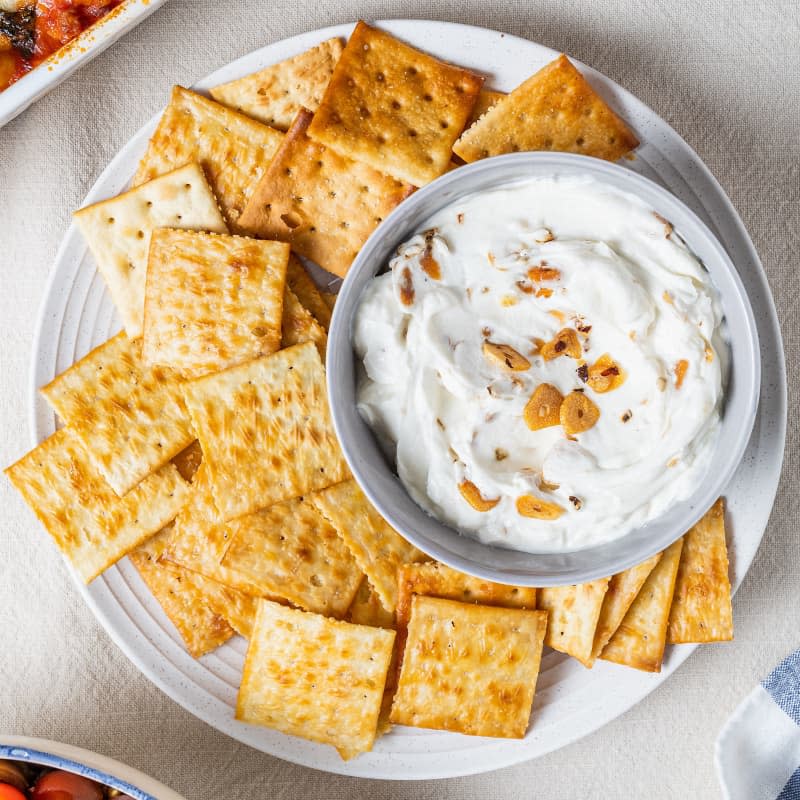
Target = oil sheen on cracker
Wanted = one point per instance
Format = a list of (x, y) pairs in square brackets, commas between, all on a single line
[(545, 363)]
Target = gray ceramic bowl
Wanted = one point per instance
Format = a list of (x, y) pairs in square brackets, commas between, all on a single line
[(377, 477)]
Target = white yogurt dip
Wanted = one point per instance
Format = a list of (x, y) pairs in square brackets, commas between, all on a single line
[(515, 267)]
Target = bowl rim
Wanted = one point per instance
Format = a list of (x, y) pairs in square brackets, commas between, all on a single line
[(379, 481), (102, 769)]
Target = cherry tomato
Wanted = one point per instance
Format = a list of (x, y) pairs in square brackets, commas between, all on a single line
[(60, 785), (9, 792)]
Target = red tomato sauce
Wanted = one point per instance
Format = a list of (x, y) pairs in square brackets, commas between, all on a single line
[(57, 23)]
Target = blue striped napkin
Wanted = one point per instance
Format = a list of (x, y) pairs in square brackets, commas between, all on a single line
[(758, 751)]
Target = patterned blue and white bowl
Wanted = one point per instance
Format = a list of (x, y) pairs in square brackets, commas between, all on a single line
[(106, 771)]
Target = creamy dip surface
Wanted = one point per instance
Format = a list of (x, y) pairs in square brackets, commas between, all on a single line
[(565, 283)]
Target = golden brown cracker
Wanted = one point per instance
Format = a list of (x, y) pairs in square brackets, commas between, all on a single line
[(275, 94), (555, 109), (200, 539), (377, 547), (212, 301), (118, 232), (291, 551), (433, 579), (299, 325), (310, 676), (622, 590), (302, 284), (131, 418), (236, 608), (701, 605), (91, 525), (233, 149), (266, 430), (187, 462), (393, 107), (201, 629), (324, 204), (469, 668), (367, 609), (573, 614), (487, 98), (640, 638), (330, 299)]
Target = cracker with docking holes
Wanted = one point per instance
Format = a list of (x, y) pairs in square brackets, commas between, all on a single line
[(323, 203), (315, 677), (201, 629), (641, 636), (90, 524), (118, 232), (555, 109), (232, 149), (469, 668), (394, 107), (212, 301), (131, 418), (701, 606), (200, 538), (266, 431), (622, 591), (275, 94), (379, 550), (574, 612), (291, 551), (433, 579)]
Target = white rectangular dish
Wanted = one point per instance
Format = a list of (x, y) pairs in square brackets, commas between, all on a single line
[(59, 66)]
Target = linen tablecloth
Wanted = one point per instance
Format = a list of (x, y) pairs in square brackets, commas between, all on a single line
[(726, 75)]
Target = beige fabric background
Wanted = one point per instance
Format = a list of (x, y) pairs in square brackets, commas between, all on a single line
[(726, 75)]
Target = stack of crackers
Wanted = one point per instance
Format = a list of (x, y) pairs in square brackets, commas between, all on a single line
[(198, 441)]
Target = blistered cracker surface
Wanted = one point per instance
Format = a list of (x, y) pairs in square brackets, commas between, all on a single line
[(377, 547), (641, 636), (266, 431), (394, 107), (299, 325), (276, 93), (469, 668), (131, 418), (91, 525), (433, 579), (306, 291), (367, 609), (212, 301), (291, 551), (622, 590), (201, 629), (233, 149), (324, 204), (118, 232), (555, 109), (200, 538), (311, 676), (701, 606), (573, 614)]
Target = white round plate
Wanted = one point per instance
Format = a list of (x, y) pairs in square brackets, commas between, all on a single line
[(77, 314)]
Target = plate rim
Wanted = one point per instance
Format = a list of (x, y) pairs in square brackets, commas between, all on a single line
[(509, 755)]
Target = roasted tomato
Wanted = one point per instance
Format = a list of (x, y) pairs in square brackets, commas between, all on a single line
[(58, 785), (9, 792)]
